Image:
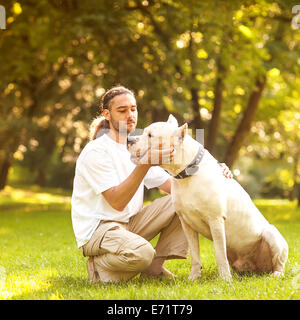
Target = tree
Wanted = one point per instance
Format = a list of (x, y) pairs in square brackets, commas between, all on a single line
[(209, 63)]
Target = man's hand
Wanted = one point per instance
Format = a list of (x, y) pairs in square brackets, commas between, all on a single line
[(226, 172), (156, 157)]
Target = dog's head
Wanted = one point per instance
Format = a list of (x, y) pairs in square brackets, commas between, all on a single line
[(157, 135)]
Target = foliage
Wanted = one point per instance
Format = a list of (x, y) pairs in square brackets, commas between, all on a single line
[(200, 60)]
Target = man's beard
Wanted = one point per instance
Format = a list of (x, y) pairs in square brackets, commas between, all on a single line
[(120, 126)]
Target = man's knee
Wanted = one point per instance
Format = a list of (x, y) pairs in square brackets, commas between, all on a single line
[(139, 254), (146, 254)]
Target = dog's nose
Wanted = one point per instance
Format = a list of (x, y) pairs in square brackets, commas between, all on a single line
[(131, 140)]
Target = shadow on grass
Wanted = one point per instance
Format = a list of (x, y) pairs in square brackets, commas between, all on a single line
[(210, 285)]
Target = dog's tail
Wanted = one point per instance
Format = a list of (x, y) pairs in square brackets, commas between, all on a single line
[(98, 127)]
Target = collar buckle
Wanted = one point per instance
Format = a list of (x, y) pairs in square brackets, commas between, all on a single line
[(193, 167)]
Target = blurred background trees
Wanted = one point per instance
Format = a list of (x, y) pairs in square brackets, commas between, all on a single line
[(231, 68)]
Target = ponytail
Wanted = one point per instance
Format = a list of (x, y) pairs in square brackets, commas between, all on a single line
[(98, 127)]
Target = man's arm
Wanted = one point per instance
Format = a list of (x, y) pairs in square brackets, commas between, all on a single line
[(119, 196), (166, 186)]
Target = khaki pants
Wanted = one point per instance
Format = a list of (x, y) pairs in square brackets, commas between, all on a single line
[(119, 251)]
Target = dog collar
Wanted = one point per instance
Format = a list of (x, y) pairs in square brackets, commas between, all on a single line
[(193, 167)]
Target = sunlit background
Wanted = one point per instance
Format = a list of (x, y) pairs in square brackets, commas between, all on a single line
[(229, 67)]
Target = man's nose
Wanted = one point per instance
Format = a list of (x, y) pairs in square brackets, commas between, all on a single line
[(131, 140), (130, 113)]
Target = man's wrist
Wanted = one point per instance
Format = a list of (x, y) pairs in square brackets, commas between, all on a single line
[(145, 167)]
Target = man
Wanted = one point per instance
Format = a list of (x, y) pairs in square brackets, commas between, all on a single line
[(110, 223)]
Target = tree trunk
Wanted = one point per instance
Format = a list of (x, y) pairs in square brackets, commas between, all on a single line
[(10, 143), (218, 101), (197, 122), (292, 194), (158, 114), (4, 173), (41, 177), (245, 124)]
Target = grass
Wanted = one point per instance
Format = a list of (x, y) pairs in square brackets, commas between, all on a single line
[(39, 258)]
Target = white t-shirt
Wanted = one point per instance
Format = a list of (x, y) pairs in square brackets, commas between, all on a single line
[(102, 164)]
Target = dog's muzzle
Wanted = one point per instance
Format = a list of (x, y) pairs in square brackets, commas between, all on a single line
[(131, 140)]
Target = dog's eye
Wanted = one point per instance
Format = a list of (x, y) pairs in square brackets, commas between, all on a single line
[(149, 135)]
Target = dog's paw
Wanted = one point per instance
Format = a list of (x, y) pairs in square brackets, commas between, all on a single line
[(277, 274), (194, 276), (226, 277)]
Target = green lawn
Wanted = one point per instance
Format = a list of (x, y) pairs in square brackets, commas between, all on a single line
[(39, 258)]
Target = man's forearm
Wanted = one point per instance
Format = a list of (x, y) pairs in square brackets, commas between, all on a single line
[(166, 187), (119, 196)]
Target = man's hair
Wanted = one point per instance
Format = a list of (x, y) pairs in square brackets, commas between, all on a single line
[(100, 125), (110, 94)]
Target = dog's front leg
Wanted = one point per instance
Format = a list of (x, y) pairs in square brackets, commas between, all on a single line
[(217, 229), (193, 241)]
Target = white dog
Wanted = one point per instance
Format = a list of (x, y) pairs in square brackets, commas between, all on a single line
[(214, 206)]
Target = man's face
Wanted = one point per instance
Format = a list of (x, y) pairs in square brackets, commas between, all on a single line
[(122, 115)]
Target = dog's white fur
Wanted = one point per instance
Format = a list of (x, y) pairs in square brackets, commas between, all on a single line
[(216, 207)]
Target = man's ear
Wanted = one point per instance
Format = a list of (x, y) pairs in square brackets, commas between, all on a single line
[(182, 131), (106, 114), (172, 120)]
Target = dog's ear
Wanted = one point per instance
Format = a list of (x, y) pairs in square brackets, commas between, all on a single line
[(182, 131), (172, 120)]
